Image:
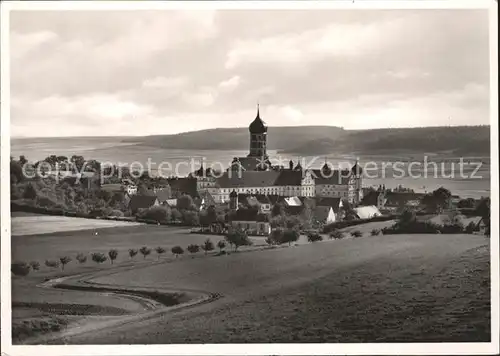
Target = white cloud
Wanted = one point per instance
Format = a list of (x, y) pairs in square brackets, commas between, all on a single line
[(230, 84), (23, 44), (165, 83), (296, 48), (165, 72), (203, 97)]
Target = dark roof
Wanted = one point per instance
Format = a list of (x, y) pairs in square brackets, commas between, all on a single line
[(245, 214), (258, 125), (253, 199), (141, 201), (370, 198), (334, 177), (334, 203), (248, 179), (288, 177), (185, 185)]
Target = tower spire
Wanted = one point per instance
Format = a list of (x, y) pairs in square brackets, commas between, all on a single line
[(258, 110)]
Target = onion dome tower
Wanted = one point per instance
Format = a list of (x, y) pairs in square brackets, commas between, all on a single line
[(258, 137), (233, 200)]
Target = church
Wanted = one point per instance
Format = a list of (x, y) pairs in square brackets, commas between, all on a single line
[(255, 175), (257, 158)]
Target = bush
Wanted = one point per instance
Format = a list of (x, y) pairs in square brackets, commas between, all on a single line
[(314, 236), (238, 238), (113, 254), (336, 234), (116, 213), (342, 224), (156, 213), (20, 268), (64, 261), (356, 233), (221, 245), (177, 250), (52, 263), (35, 265), (276, 237), (207, 246), (193, 248), (81, 258), (452, 228), (160, 250), (471, 227), (132, 252), (414, 227), (289, 236), (145, 251), (375, 232), (98, 257)]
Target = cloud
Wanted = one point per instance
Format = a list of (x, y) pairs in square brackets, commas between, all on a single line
[(332, 40), (230, 84), (150, 72)]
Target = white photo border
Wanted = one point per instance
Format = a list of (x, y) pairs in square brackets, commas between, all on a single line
[(245, 349)]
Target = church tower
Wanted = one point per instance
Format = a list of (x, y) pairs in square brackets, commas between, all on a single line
[(258, 137), (233, 201)]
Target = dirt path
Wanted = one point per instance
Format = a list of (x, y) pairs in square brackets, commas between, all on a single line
[(331, 292)]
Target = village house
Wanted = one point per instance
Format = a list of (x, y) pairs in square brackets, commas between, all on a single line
[(138, 202), (391, 202), (333, 205), (252, 221)]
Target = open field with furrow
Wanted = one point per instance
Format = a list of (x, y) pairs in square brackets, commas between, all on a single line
[(382, 288)]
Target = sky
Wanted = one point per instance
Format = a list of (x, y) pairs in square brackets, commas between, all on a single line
[(106, 73)]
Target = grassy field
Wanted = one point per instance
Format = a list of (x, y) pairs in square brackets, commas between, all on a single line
[(69, 243), (374, 288), (383, 288), (33, 224)]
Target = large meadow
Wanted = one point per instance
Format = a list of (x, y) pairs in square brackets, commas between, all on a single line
[(374, 288)]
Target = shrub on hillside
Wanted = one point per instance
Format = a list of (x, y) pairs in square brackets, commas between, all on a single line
[(276, 237), (35, 265), (145, 251), (346, 223), (177, 250), (451, 228), (20, 268), (336, 234), (113, 254), (193, 248), (156, 213), (414, 227), (81, 258), (64, 261), (221, 245), (98, 257), (132, 252), (471, 227), (238, 238), (116, 213), (289, 236), (314, 236), (375, 232), (52, 263), (207, 246), (356, 233), (160, 251)]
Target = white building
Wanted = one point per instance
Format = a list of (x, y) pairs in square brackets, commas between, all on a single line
[(282, 183)]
